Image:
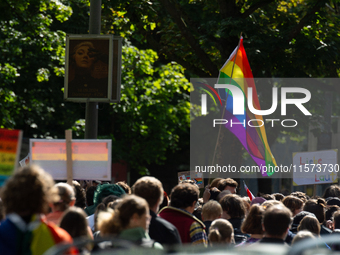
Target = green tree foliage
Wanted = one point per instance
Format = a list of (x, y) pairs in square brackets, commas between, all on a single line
[(282, 39), (149, 122), (31, 67), (153, 114)]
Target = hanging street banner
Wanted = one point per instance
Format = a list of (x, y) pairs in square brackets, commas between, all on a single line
[(316, 167), (91, 159), (10, 146)]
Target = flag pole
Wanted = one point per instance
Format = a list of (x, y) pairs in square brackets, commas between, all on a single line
[(231, 76)]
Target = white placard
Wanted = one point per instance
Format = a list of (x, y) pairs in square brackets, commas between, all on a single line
[(316, 167)]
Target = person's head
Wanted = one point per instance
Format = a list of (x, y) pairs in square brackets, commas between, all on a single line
[(192, 182), (253, 222), (221, 231), (151, 189), (211, 210), (311, 224), (102, 207), (276, 221), (268, 197), (333, 201), (67, 197), (269, 203), (233, 207), (222, 194), (184, 196), (336, 220), (28, 191), (332, 191), (227, 184), (300, 195), (106, 190), (302, 235), (125, 187), (294, 204), (316, 206), (83, 55), (246, 202), (279, 196), (80, 195), (131, 212), (90, 194), (214, 183), (298, 218), (330, 211), (74, 222)]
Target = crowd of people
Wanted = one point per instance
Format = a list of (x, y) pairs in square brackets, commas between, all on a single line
[(37, 214)]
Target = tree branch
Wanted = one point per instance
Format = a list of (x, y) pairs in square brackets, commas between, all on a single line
[(192, 41), (296, 30), (255, 6)]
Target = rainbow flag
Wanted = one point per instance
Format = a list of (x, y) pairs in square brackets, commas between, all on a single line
[(236, 71)]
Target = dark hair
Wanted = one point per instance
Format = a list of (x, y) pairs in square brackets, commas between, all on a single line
[(233, 205), (330, 211), (222, 184), (183, 195), (74, 222), (2, 213), (278, 196), (310, 223), (253, 222), (276, 220), (150, 189), (292, 203), (80, 195), (336, 220), (316, 206), (268, 197), (89, 195), (332, 191), (298, 218)]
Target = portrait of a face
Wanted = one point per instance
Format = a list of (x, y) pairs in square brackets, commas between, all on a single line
[(90, 71), (83, 57)]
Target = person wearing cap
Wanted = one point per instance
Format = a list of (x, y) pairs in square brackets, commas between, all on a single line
[(101, 192)]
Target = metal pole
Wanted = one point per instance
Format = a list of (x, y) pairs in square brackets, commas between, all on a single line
[(91, 118)]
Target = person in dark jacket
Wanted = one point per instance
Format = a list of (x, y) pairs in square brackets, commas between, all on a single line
[(162, 231)]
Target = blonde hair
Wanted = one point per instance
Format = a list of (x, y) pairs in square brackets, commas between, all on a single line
[(212, 209), (221, 231)]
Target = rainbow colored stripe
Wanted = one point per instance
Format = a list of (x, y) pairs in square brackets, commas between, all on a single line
[(253, 139)]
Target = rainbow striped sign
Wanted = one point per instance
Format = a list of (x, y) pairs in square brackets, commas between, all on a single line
[(10, 145), (91, 159)]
